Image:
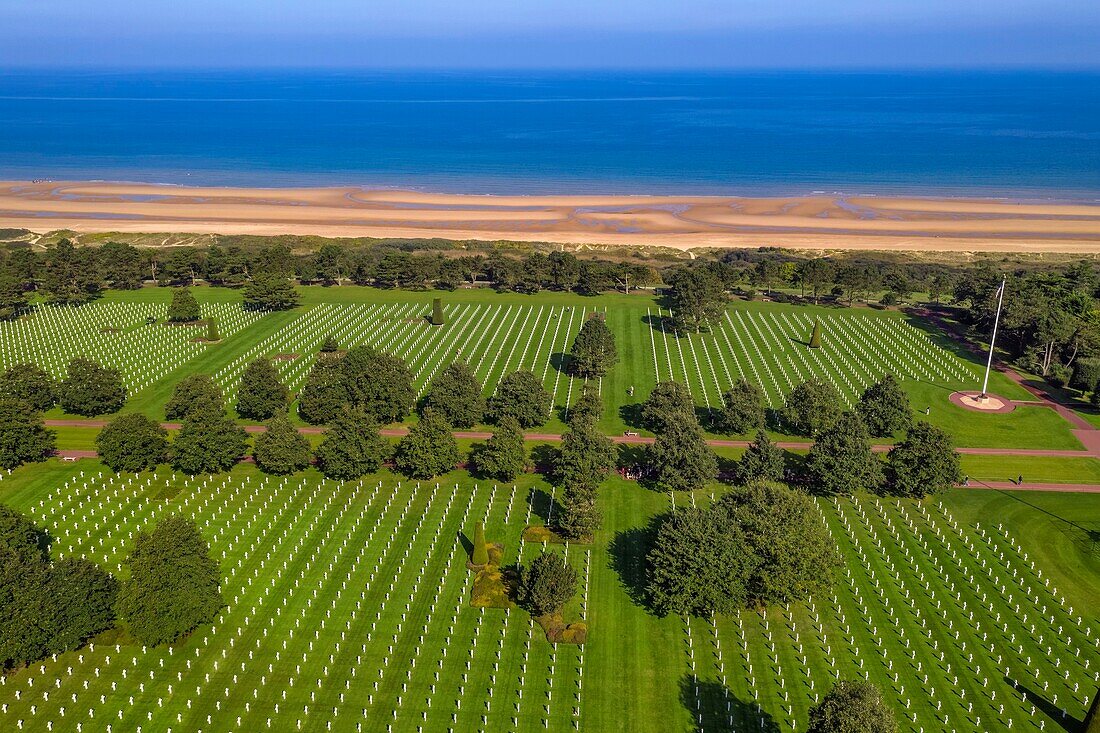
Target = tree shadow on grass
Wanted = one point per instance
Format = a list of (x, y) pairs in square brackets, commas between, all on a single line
[(545, 458), (713, 707), (542, 504), (561, 362), (627, 557), (1052, 711), (467, 544)]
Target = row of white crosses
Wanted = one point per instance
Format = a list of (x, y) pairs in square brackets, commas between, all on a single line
[(52, 335)]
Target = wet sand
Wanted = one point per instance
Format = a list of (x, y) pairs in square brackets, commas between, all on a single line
[(811, 222)]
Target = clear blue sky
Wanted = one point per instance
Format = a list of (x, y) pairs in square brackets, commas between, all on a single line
[(551, 33)]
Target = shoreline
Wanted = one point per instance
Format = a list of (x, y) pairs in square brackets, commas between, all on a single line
[(815, 222)]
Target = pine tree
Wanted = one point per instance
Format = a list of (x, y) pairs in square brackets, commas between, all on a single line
[(261, 394), (593, 353), (352, 447), (270, 292), (281, 449), (183, 308)]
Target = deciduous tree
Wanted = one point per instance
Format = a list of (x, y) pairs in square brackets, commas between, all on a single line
[(325, 393), (547, 584), (208, 442), (884, 407), (503, 456), (183, 308), (352, 447), (456, 395), (680, 459), (669, 402), (841, 461), (132, 442), (593, 353), (30, 383), (761, 461), (428, 450), (924, 462), (811, 407), (261, 394), (272, 292), (852, 707), (742, 409), (91, 389), (23, 436), (521, 395), (281, 449), (194, 393), (379, 384)]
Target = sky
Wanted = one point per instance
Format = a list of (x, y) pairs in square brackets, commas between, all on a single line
[(551, 33)]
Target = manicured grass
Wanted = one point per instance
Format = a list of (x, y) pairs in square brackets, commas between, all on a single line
[(358, 593), (1039, 469)]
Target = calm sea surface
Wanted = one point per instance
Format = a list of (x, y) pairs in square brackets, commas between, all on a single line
[(1013, 134)]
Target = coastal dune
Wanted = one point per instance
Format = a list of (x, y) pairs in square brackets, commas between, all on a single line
[(811, 222)]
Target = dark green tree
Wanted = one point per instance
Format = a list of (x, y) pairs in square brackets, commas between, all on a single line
[(811, 407), (84, 602), (281, 449), (122, 265), (437, 311), (742, 409), (271, 292), (503, 456), (24, 605), (23, 436), (330, 345), (699, 564), (428, 450), (352, 447), (520, 395), (761, 461), (261, 394), (579, 514), (324, 394), (884, 407), (174, 583), (378, 383), (680, 459), (793, 553), (194, 393), (30, 383), (669, 402), (852, 707), (71, 276), (841, 461), (815, 335), (183, 308), (133, 443), (696, 297), (90, 389), (13, 296), (208, 442), (589, 408), (455, 394), (586, 455), (212, 332), (547, 584), (924, 462), (593, 353)]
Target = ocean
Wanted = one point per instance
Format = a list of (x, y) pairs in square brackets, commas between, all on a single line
[(1019, 134)]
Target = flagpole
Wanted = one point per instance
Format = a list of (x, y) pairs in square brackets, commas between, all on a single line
[(993, 339)]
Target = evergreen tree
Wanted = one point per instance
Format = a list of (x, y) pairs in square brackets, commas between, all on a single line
[(680, 459), (90, 389), (521, 395), (324, 394), (884, 407), (428, 450), (212, 332), (270, 292), (815, 335), (13, 298), (352, 447), (70, 276), (579, 514), (23, 436), (174, 583), (480, 555), (925, 462), (378, 383), (456, 395), (194, 393), (30, 383), (742, 410), (132, 443), (281, 449), (696, 297), (437, 312), (261, 394), (503, 456), (811, 407), (841, 461), (852, 707), (547, 584), (208, 442), (761, 461), (593, 352), (669, 402), (24, 606), (330, 345), (183, 308)]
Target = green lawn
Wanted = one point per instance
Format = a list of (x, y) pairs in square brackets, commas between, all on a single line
[(347, 607)]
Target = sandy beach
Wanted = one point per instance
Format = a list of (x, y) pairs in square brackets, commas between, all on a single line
[(812, 222)]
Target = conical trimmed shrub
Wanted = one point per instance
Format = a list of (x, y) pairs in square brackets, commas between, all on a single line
[(815, 336), (481, 549)]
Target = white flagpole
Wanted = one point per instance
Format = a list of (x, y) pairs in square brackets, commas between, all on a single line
[(993, 338)]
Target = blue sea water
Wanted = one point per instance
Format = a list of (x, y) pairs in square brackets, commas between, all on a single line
[(1012, 134)]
